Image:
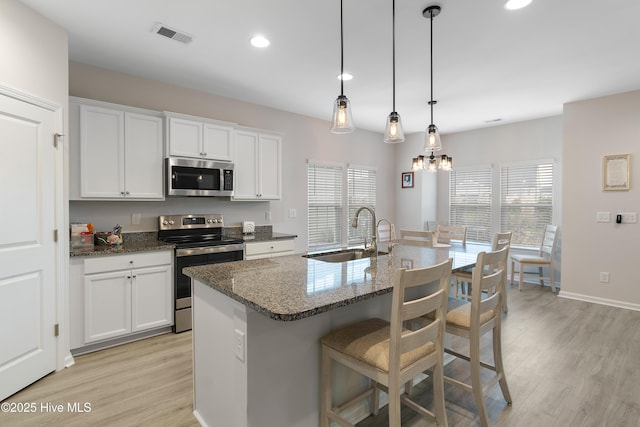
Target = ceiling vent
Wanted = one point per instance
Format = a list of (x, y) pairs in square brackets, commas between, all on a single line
[(172, 33)]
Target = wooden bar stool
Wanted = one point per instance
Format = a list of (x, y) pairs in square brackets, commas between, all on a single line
[(390, 355)]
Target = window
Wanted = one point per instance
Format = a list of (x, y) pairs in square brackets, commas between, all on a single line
[(325, 206), (326, 216), (526, 201), (470, 202), (361, 183)]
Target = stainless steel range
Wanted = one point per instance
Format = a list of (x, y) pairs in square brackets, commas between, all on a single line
[(198, 240)]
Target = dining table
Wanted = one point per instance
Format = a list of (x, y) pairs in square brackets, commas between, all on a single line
[(257, 326)]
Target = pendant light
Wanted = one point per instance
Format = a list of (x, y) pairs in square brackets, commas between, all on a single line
[(342, 120), (393, 133), (432, 140)]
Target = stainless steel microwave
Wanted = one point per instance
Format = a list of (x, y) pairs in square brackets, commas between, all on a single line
[(195, 177)]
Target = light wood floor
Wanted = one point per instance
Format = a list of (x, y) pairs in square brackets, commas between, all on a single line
[(568, 363)]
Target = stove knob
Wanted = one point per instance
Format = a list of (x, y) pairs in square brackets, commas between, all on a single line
[(219, 221), (209, 221), (165, 222), (171, 222)]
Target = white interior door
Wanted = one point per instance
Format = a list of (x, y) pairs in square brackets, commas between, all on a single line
[(27, 248)]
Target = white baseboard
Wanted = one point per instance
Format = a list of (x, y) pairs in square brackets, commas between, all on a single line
[(597, 300)]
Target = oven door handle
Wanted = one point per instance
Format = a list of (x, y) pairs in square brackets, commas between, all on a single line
[(209, 250)]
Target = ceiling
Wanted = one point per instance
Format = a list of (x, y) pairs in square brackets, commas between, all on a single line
[(489, 63)]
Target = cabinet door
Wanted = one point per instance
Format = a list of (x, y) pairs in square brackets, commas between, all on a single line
[(269, 167), (218, 142), (107, 305), (151, 298), (245, 185), (101, 152), (143, 156), (185, 138)]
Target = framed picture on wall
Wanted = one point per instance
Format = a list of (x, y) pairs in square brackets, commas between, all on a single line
[(407, 179), (615, 172)]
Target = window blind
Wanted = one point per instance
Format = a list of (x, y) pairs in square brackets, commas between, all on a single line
[(361, 184), (470, 202), (324, 189), (526, 201)]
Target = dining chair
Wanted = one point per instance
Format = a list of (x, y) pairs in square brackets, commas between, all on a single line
[(447, 233), (473, 319), (417, 238), (390, 355), (462, 278), (544, 259)]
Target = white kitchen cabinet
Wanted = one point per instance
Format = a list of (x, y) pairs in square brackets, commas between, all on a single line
[(199, 138), (122, 294), (269, 249), (115, 152), (258, 168)]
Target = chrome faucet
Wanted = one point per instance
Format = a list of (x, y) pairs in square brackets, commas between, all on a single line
[(391, 243), (373, 249)]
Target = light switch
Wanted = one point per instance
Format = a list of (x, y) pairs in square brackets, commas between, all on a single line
[(292, 213), (603, 216), (629, 217)]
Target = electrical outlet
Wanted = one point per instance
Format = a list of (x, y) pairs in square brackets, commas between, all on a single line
[(267, 216), (603, 216), (604, 277), (135, 218), (238, 345)]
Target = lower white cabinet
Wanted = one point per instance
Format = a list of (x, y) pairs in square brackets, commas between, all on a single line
[(268, 249), (122, 294)]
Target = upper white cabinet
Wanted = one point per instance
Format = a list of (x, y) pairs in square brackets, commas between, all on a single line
[(201, 138), (115, 153), (258, 168)]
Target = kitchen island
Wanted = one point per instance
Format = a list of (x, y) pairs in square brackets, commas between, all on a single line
[(257, 325)]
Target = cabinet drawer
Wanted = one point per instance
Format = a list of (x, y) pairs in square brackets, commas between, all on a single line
[(271, 247), (125, 262)]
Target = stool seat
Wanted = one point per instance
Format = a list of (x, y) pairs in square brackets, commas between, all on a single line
[(368, 341)]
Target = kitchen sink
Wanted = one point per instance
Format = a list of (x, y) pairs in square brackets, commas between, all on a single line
[(342, 256)]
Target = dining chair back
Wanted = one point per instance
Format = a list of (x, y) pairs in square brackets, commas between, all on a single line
[(390, 355), (417, 238), (447, 233), (544, 259), (462, 278), (473, 319)]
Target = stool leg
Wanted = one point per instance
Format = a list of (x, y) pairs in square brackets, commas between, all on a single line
[(497, 357), (325, 397), (476, 383)]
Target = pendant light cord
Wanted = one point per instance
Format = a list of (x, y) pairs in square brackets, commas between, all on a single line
[(341, 53), (393, 29), (431, 61)]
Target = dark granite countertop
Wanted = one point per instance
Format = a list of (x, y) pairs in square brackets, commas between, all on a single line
[(294, 287), (142, 246)]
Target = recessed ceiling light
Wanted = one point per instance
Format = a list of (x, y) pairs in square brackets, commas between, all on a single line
[(259, 41), (516, 4), (345, 76)]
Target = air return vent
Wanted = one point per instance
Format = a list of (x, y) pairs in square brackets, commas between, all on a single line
[(172, 33)]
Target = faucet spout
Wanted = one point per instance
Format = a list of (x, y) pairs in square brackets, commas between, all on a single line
[(373, 249)]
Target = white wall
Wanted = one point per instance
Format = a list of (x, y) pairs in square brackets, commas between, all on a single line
[(304, 138), (592, 129)]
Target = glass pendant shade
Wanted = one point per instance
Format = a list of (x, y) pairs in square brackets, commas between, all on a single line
[(393, 133), (446, 163), (433, 167), (418, 163), (432, 139), (342, 120)]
